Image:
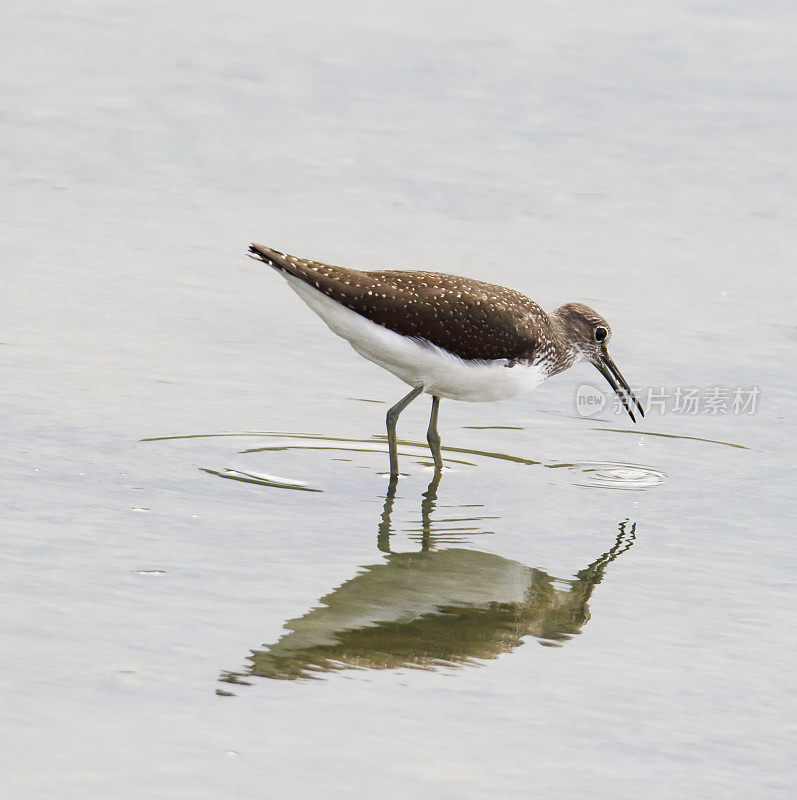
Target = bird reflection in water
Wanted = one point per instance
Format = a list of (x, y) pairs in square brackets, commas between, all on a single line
[(432, 608)]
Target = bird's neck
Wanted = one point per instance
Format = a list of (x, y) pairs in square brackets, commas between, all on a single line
[(557, 352)]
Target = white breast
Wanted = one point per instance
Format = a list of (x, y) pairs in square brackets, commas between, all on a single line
[(417, 363)]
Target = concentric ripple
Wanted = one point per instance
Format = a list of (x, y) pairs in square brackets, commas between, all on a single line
[(613, 475), (370, 453)]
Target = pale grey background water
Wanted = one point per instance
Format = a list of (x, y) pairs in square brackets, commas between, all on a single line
[(637, 156)]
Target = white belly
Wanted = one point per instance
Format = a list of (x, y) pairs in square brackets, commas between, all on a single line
[(416, 363)]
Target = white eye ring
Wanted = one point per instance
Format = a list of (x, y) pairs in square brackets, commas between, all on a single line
[(601, 333)]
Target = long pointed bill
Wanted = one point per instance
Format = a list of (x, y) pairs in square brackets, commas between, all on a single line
[(609, 370)]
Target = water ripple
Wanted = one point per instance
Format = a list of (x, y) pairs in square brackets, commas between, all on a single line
[(592, 474), (613, 475)]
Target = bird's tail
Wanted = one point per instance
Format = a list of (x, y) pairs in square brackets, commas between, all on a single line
[(269, 256)]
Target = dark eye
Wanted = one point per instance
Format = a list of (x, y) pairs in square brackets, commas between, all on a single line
[(600, 333)]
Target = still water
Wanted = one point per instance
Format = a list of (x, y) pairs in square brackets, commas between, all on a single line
[(208, 589)]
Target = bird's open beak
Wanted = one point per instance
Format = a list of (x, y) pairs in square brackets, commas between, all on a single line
[(609, 370)]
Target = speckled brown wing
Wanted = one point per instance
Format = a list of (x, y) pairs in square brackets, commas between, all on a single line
[(469, 318)]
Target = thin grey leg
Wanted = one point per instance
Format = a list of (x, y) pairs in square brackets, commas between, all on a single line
[(433, 437), (391, 419)]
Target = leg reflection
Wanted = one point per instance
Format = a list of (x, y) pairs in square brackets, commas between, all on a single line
[(428, 504), (383, 534)]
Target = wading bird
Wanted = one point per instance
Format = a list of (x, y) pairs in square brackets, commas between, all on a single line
[(449, 336)]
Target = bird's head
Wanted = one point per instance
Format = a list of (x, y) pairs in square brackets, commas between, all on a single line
[(588, 334)]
